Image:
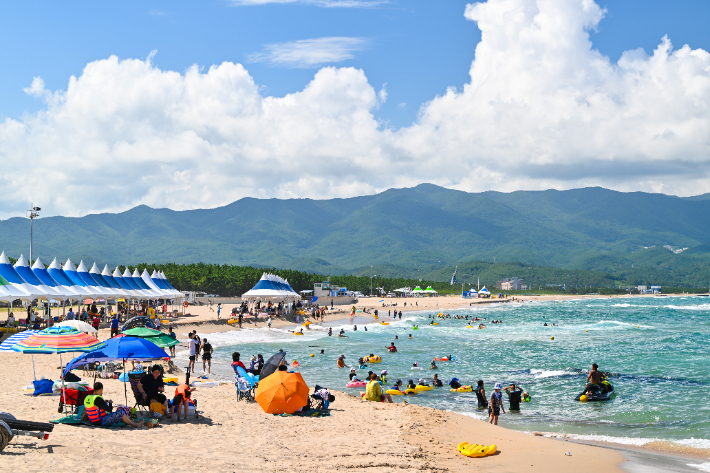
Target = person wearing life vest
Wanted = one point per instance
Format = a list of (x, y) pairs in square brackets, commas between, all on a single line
[(182, 398), (99, 412)]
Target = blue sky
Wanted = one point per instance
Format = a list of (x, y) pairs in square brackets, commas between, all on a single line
[(339, 98), (417, 47)]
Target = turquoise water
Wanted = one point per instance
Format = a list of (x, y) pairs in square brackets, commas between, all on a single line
[(655, 348)]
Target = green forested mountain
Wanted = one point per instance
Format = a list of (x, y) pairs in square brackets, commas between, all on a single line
[(620, 236)]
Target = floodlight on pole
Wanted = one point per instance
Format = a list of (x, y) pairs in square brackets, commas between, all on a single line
[(32, 214)]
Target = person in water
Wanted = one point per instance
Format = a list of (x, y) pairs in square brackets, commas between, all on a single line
[(341, 362), (411, 384), (410, 335), (454, 383), (594, 379), (437, 382), (514, 396), (481, 395), (433, 365), (392, 348), (383, 376), (496, 404), (398, 385), (352, 374)]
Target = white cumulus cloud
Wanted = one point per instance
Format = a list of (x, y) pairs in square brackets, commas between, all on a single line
[(543, 109), (314, 52)]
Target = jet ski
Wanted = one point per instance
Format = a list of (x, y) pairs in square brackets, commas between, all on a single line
[(598, 392)]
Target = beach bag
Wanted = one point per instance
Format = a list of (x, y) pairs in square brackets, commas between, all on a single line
[(43, 386)]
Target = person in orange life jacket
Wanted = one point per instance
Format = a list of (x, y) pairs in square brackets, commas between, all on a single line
[(100, 413), (182, 398)]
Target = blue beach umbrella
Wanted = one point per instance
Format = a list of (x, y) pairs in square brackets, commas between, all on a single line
[(18, 337)]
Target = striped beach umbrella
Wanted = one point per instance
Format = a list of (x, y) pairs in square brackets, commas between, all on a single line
[(57, 340), (18, 337)]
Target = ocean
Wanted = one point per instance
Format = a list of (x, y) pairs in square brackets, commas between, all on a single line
[(655, 349)]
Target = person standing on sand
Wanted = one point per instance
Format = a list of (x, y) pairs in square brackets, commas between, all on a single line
[(268, 322), (172, 335), (219, 309), (241, 316), (210, 304), (207, 356), (193, 351), (496, 404)]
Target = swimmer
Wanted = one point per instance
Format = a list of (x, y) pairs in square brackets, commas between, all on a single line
[(410, 335), (330, 331), (415, 364), (433, 365), (392, 348), (437, 382), (396, 337), (354, 328), (411, 385)]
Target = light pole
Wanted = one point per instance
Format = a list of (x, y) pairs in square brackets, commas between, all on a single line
[(32, 214), (370, 280)]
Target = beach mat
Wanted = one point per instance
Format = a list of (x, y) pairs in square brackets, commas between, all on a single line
[(76, 420), (307, 413)]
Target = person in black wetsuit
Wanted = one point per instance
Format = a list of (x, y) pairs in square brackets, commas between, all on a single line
[(437, 382), (481, 395), (514, 393), (454, 383)]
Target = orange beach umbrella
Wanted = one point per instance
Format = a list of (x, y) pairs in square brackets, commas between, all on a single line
[(282, 392)]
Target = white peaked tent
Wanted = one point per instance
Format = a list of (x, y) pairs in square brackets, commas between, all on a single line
[(111, 290), (43, 275), (134, 293), (83, 273), (57, 273), (167, 283), (271, 286), (72, 273), (16, 287), (108, 279), (139, 281), (163, 285), (25, 272), (145, 277)]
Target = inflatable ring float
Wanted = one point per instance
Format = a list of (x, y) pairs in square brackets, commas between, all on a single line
[(297, 333), (420, 388), (372, 359), (410, 391), (185, 304), (384, 323), (463, 389), (356, 384), (394, 392), (306, 324), (475, 450)]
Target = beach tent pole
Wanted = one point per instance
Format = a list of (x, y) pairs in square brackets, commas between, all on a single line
[(34, 373), (125, 390)]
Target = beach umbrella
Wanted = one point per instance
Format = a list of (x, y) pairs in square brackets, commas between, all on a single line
[(282, 392), (272, 364), (119, 348), (18, 337), (155, 336), (77, 324), (57, 340)]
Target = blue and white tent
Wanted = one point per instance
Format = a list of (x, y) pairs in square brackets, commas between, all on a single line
[(145, 277), (144, 287), (128, 288), (271, 286), (66, 292), (160, 282), (56, 272), (484, 291), (88, 284)]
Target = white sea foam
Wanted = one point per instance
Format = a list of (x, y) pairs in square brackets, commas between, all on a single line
[(638, 442), (540, 374), (688, 307), (700, 466)]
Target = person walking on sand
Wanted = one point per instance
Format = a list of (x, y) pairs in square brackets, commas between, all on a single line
[(210, 306), (193, 352), (172, 335), (219, 309), (496, 404)]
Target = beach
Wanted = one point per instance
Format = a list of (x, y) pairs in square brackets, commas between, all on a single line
[(238, 436)]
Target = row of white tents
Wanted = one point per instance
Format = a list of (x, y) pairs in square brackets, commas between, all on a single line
[(69, 282), (271, 286)]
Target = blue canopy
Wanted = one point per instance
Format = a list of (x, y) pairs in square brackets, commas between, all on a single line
[(119, 348)]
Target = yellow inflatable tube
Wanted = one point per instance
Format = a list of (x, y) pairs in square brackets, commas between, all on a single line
[(410, 391), (395, 392), (372, 359), (463, 389), (306, 324), (297, 333), (470, 326), (475, 450), (420, 388)]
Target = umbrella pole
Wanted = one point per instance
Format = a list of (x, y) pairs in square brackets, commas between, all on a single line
[(64, 391), (34, 373), (125, 389)]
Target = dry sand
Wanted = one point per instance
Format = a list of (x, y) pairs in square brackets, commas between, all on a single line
[(238, 436)]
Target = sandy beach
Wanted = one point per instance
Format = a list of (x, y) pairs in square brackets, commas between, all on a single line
[(238, 436)]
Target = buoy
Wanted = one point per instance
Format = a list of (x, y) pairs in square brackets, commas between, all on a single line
[(552, 338), (583, 398), (312, 355), (586, 330), (637, 326)]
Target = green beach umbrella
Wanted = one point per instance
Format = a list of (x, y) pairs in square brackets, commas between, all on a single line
[(155, 336)]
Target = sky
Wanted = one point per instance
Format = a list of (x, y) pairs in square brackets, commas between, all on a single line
[(108, 105)]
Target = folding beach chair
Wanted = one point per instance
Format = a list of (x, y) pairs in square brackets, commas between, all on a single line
[(246, 384), (73, 398), (135, 379)]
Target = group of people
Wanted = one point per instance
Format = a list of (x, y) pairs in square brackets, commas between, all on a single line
[(197, 346)]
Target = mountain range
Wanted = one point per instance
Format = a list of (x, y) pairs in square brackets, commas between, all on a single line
[(424, 231)]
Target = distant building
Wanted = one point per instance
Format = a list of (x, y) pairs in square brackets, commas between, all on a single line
[(511, 284), (655, 289)]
